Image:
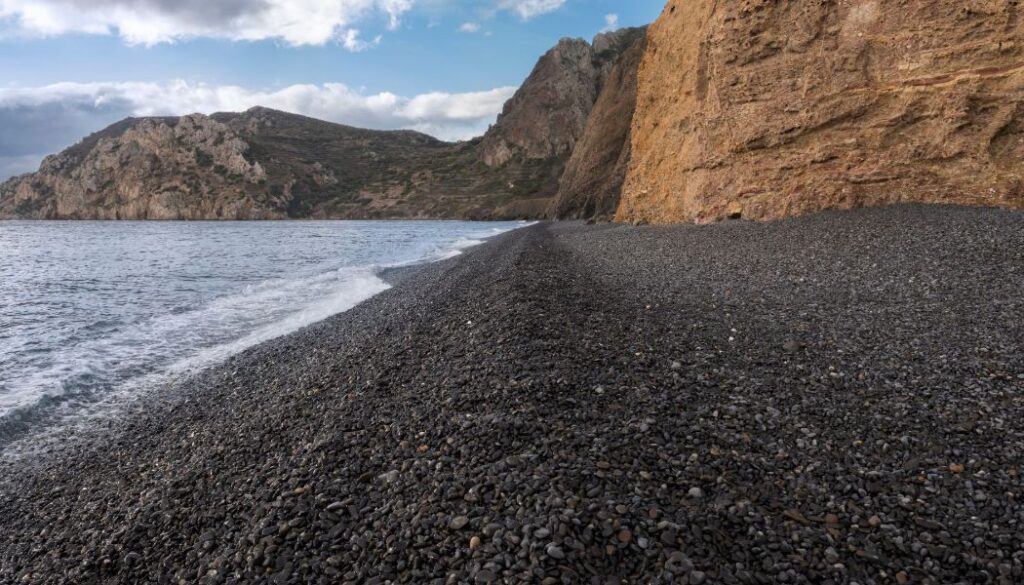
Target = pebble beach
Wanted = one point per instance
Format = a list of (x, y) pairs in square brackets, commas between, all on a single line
[(833, 399)]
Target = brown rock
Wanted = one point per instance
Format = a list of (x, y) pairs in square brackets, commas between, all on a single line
[(554, 84), (796, 516), (145, 169), (956, 468), (591, 184), (547, 116), (458, 522), (772, 109), (474, 543)]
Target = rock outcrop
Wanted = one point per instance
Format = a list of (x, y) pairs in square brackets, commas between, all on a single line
[(755, 108), (543, 122), (265, 164), (546, 116), (763, 109), (592, 181), (158, 168)]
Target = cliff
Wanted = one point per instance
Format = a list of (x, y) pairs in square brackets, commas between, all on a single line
[(755, 109), (766, 109), (549, 113), (265, 164), (541, 126), (546, 116), (592, 181)]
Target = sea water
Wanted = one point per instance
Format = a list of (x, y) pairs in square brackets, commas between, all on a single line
[(94, 312)]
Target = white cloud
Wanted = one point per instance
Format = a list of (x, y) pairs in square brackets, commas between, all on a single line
[(351, 41), (481, 105), (48, 119), (611, 22), (527, 9), (395, 9), (297, 22)]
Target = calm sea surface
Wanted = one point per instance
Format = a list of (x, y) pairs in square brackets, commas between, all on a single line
[(94, 311)]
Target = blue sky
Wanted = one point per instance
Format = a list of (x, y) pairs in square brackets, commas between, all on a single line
[(69, 67)]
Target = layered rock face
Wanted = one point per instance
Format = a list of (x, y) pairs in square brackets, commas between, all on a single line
[(755, 108), (766, 109), (592, 181)]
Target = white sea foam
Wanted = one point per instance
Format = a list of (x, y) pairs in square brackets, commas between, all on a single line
[(352, 287), (457, 248)]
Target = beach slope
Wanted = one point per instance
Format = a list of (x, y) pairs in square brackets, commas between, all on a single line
[(831, 398)]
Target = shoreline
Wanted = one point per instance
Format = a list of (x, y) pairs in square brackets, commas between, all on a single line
[(26, 435), (13, 219), (607, 404)]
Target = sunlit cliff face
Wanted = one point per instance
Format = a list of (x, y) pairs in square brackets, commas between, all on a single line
[(765, 110)]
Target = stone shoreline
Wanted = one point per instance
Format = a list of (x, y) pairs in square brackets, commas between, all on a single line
[(831, 399)]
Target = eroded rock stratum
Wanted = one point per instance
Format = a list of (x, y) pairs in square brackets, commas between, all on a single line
[(767, 109)]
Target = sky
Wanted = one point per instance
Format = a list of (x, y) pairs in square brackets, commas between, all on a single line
[(444, 67)]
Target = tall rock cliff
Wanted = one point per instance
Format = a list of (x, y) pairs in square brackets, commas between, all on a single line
[(592, 181), (540, 126), (546, 116), (765, 109), (549, 113)]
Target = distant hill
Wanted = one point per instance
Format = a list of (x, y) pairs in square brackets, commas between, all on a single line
[(266, 164)]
